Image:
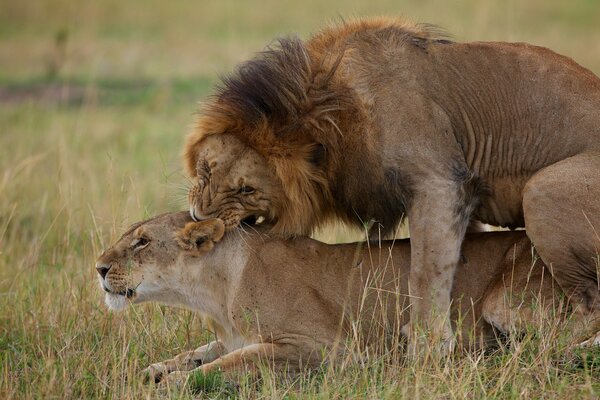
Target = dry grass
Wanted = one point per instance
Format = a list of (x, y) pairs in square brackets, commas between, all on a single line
[(100, 149)]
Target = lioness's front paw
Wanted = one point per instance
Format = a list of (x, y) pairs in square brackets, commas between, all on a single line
[(155, 373), (593, 341), (176, 379)]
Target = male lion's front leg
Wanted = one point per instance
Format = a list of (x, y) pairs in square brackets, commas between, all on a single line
[(185, 361), (438, 218)]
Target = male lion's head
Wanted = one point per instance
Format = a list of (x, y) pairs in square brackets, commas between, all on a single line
[(233, 182), (145, 263), (266, 141)]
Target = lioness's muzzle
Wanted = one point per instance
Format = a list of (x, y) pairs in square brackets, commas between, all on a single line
[(102, 269)]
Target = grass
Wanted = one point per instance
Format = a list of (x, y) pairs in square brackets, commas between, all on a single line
[(95, 99)]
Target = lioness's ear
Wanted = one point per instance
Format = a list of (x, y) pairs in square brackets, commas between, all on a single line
[(200, 237)]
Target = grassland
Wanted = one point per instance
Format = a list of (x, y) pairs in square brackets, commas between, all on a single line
[(95, 99)]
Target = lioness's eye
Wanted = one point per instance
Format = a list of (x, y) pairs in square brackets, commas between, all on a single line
[(140, 242), (247, 190)]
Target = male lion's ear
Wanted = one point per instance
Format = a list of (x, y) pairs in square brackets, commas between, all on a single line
[(200, 237)]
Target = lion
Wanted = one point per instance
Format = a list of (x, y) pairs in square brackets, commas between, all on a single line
[(295, 302), (373, 120)]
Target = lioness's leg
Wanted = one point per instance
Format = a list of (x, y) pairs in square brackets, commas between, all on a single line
[(185, 361), (279, 354), (288, 356), (561, 204), (592, 341)]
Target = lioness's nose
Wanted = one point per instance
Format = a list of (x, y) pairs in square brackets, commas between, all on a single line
[(102, 269)]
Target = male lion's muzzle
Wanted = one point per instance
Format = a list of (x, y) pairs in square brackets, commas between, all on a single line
[(197, 202)]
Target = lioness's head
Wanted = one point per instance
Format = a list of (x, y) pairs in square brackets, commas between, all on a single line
[(264, 143), (146, 262)]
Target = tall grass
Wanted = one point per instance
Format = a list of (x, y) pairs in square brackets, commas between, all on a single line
[(95, 99)]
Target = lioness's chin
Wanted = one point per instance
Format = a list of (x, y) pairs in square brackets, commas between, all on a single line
[(116, 302)]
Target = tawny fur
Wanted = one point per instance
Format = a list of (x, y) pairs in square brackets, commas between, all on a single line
[(200, 238), (373, 120), (295, 302)]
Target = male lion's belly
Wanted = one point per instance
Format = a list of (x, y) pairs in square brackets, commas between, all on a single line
[(503, 205)]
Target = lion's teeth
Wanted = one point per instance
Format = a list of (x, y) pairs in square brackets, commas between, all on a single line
[(259, 220)]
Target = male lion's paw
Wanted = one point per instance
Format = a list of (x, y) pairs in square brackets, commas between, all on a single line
[(445, 337), (439, 339), (155, 373), (448, 344)]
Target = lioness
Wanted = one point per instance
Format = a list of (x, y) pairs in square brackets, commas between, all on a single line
[(293, 301), (375, 119)]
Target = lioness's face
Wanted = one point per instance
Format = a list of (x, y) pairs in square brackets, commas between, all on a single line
[(146, 261), (233, 183)]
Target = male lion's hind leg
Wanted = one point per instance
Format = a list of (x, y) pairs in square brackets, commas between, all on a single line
[(561, 204), (185, 361), (523, 295)]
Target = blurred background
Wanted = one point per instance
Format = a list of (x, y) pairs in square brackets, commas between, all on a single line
[(95, 100)]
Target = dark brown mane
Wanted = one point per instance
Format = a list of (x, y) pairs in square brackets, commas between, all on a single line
[(293, 104), (279, 84), (273, 85), (282, 86)]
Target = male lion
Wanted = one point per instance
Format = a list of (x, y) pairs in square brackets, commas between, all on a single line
[(374, 119), (293, 302)]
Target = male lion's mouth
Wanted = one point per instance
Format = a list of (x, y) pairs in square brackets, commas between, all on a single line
[(253, 220), (250, 220)]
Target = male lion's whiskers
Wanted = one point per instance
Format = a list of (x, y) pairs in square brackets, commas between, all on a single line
[(242, 229), (177, 201), (179, 192), (241, 232), (249, 226)]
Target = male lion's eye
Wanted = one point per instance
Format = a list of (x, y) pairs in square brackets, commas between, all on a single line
[(247, 190)]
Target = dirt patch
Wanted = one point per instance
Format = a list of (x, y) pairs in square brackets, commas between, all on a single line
[(46, 93)]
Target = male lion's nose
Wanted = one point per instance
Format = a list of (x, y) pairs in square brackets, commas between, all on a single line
[(102, 269)]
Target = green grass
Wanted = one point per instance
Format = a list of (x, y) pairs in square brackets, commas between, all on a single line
[(95, 100)]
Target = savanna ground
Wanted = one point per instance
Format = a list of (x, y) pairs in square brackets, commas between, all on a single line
[(95, 100)]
